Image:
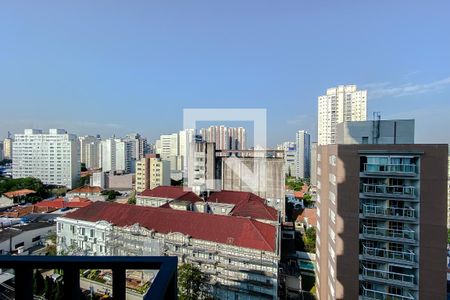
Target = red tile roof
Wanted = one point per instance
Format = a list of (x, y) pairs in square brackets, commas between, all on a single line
[(246, 205), (86, 189), (309, 215), (19, 193), (242, 232), (172, 192), (61, 203)]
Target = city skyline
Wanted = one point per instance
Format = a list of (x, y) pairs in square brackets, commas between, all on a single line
[(81, 76)]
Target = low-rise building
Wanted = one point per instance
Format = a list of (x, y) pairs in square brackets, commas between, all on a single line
[(21, 239), (239, 255), (93, 193)]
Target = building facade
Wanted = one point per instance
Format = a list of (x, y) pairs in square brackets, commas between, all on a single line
[(239, 255), (376, 132), (151, 171), (52, 157), (381, 223), (303, 154), (290, 158), (226, 138), (313, 169), (7, 148), (339, 104), (90, 151)]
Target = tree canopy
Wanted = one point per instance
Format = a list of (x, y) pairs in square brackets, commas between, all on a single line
[(191, 283)]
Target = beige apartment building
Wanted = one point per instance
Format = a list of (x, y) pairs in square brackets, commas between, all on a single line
[(381, 221), (152, 171)]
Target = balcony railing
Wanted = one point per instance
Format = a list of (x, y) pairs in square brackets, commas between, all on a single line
[(389, 212), (404, 169), (404, 279), (380, 232), (164, 285), (389, 190), (408, 257), (373, 294)]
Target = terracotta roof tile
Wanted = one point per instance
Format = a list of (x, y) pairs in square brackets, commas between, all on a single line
[(172, 192), (246, 204), (242, 232), (86, 189), (19, 193)]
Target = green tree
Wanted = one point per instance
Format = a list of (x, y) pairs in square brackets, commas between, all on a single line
[(309, 239), (111, 194), (191, 282)]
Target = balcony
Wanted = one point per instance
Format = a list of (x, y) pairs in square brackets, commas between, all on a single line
[(389, 255), (388, 277), (390, 169), (405, 235), (379, 295), (164, 285), (394, 191), (408, 214)]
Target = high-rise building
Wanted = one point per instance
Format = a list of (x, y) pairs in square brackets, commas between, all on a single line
[(52, 157), (108, 155), (290, 158), (381, 221), (303, 154), (1, 151), (115, 155), (152, 171), (201, 166), (7, 148), (90, 151), (340, 104), (226, 138), (168, 148), (137, 148)]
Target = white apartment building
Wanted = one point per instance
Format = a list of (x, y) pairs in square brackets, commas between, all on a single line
[(240, 255), (90, 151), (339, 104), (52, 157), (1, 151), (115, 155), (303, 154), (290, 158), (168, 148)]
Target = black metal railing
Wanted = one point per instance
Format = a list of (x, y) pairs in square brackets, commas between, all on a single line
[(164, 285)]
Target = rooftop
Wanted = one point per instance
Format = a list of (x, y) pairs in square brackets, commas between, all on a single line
[(19, 193), (172, 192), (9, 232), (86, 190), (76, 202), (246, 204), (238, 231), (309, 215)]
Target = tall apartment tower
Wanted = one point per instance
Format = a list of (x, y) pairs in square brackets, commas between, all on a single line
[(52, 157), (7, 148), (381, 221), (151, 171), (90, 151), (303, 154), (226, 138), (341, 103)]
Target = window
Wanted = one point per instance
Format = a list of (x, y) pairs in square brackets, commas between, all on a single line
[(365, 140), (19, 245), (36, 238)]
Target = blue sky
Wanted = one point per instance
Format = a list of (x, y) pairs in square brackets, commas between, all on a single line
[(119, 66)]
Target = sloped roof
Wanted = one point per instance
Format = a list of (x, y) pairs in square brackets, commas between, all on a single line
[(76, 202), (172, 192), (19, 193), (86, 189), (309, 215), (246, 204), (242, 232)]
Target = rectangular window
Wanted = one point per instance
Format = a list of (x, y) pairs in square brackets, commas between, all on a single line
[(19, 245), (36, 238)]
